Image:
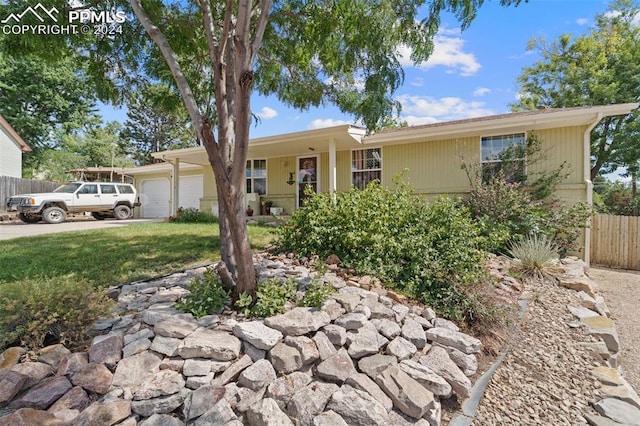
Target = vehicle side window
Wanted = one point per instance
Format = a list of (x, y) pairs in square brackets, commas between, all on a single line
[(125, 189), (89, 189), (108, 189)]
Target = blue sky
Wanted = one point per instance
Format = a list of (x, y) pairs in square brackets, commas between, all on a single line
[(470, 74)]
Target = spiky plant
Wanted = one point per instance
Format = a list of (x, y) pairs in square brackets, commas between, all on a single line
[(533, 254)]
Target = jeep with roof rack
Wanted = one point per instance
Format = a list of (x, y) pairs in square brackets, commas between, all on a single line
[(101, 199)]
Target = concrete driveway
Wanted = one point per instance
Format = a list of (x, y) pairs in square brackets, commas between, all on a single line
[(9, 230)]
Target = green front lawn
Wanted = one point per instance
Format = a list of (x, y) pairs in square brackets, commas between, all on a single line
[(116, 255)]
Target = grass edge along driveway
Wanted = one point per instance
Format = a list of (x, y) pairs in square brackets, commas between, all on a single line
[(114, 256)]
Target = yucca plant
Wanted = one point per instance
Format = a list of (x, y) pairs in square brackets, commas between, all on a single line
[(533, 254)]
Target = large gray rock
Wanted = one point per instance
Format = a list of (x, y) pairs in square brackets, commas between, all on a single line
[(427, 378), (166, 345), (107, 351), (233, 371), (196, 367), (175, 327), (413, 332), (43, 394), (389, 329), (284, 387), (364, 383), (160, 405), (220, 414), (365, 341), (309, 401), (299, 321), (401, 348), (241, 398), (307, 348), (75, 399), (30, 417), (376, 364), (162, 383), (380, 311), (257, 334), (329, 418), (351, 321), (134, 371), (468, 363), (454, 339), (285, 359), (93, 377), (337, 335), (619, 411), (347, 300), (136, 347), (337, 368), (407, 395), (204, 343), (104, 413), (356, 407), (267, 413), (53, 354), (35, 372), (11, 382), (258, 375), (72, 363), (605, 328), (439, 362), (324, 345), (201, 400), (161, 420)]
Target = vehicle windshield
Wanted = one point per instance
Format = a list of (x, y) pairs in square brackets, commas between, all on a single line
[(69, 188)]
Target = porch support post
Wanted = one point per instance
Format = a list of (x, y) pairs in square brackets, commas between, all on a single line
[(175, 182), (332, 165), (589, 185)]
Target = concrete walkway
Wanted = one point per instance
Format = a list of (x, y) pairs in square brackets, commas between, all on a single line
[(10, 230)]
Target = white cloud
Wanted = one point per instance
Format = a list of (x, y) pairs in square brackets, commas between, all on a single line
[(582, 21), (266, 113), (481, 91), (417, 82), (425, 109), (327, 122), (448, 52)]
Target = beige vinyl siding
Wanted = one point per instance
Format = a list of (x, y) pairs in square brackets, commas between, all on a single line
[(562, 144), (278, 190), (434, 167)]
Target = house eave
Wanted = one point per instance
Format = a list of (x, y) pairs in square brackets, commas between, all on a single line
[(15, 137)]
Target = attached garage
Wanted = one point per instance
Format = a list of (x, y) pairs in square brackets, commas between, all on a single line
[(154, 195), (191, 190)]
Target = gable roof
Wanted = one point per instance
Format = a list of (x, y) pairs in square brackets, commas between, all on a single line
[(14, 135), (504, 123)]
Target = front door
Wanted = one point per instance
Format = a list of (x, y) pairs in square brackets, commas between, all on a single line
[(307, 177)]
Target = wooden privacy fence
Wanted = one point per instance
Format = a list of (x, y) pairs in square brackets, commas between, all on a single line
[(615, 241), (13, 186)]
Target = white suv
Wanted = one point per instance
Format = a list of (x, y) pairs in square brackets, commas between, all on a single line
[(102, 199)]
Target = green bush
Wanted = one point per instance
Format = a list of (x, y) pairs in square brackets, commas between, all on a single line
[(430, 252), (206, 295), (272, 296), (191, 215), (533, 254), (316, 294), (59, 309)]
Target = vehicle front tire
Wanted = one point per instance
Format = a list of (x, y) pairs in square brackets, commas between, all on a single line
[(122, 212), (54, 215), (29, 218)]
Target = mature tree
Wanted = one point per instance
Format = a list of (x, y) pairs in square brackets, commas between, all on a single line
[(307, 53), (39, 98), (156, 121), (599, 68)]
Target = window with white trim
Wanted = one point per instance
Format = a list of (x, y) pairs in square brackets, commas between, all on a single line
[(256, 176), (503, 154), (366, 166)]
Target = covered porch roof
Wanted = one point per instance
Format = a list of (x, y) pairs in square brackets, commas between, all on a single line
[(289, 144)]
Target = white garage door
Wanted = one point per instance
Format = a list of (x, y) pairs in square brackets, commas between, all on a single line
[(155, 198), (191, 190)]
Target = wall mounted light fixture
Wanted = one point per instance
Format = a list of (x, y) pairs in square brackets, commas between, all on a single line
[(291, 181)]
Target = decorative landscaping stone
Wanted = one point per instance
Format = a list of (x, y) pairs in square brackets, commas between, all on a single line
[(284, 387), (337, 368), (389, 329), (619, 411), (93, 377), (401, 348), (43, 394), (267, 413), (161, 405), (163, 383), (365, 341), (604, 328), (134, 371), (201, 400), (175, 327), (166, 345), (11, 356), (455, 339), (53, 354), (106, 351), (258, 375), (35, 372), (299, 321), (357, 407), (196, 367), (160, 420), (439, 362), (337, 335), (220, 414), (11, 382), (376, 364), (204, 343), (233, 371), (364, 383), (324, 345), (351, 321), (309, 401), (285, 359), (75, 399), (257, 334), (407, 394), (30, 417), (427, 378), (329, 418)]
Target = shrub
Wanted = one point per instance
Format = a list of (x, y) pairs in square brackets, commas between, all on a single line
[(206, 295), (430, 252), (316, 294), (533, 254), (59, 310), (272, 297), (191, 215)]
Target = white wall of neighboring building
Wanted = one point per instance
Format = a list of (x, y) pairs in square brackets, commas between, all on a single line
[(10, 156)]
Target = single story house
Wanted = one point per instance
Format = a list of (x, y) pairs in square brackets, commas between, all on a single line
[(335, 158), (11, 148)]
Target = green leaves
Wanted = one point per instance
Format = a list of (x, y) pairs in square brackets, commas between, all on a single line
[(206, 296)]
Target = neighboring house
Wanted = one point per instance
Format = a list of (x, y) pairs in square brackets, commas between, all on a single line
[(332, 159), (11, 148)]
